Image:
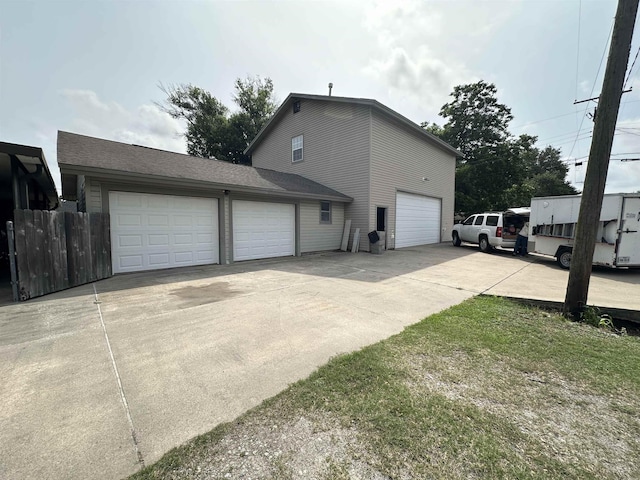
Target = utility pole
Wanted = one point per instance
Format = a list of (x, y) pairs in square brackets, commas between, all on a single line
[(595, 180)]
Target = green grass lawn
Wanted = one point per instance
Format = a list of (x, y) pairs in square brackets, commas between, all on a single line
[(487, 389)]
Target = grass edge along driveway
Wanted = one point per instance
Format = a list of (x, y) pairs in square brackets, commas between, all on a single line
[(486, 389)]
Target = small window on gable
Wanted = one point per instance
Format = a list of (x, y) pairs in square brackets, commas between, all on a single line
[(296, 149), (325, 212), (296, 106)]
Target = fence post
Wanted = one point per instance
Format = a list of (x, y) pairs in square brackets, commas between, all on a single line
[(11, 238)]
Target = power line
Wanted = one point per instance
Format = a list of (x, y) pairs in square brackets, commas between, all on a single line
[(631, 69), (526, 124), (578, 47), (594, 84), (585, 137), (562, 135), (628, 133)]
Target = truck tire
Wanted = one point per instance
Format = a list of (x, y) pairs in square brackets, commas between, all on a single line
[(485, 246), (456, 239), (564, 259)]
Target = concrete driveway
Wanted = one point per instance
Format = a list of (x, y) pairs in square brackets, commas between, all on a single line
[(101, 379)]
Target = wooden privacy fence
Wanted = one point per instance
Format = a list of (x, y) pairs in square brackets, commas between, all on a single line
[(59, 250)]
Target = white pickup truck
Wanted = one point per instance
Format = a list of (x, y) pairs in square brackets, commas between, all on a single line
[(491, 229)]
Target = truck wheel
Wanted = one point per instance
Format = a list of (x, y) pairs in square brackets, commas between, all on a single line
[(564, 259), (456, 239), (485, 246)]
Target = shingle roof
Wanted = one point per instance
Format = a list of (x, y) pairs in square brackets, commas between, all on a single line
[(429, 137), (79, 152)]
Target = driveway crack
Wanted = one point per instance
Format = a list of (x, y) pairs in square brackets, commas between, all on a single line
[(123, 397)]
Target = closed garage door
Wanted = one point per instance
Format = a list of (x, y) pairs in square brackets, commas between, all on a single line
[(263, 230), (417, 220), (162, 231)]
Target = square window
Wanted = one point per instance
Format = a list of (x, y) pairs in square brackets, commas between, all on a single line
[(296, 148), (325, 212)]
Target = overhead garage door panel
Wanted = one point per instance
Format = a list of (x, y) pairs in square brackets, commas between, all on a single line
[(162, 231), (263, 230), (417, 220)]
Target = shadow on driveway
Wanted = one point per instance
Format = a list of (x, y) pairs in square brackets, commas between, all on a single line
[(336, 264)]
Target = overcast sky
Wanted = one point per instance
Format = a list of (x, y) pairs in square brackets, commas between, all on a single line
[(93, 67)]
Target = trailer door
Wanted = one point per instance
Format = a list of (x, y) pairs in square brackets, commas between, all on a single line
[(628, 254)]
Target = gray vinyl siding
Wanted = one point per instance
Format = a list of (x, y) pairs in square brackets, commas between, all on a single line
[(93, 190), (399, 161), (335, 151), (318, 237)]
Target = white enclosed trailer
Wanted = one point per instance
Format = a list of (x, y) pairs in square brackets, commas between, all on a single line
[(553, 225)]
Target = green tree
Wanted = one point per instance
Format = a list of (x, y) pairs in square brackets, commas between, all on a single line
[(476, 122), (212, 130), (497, 170), (433, 128)]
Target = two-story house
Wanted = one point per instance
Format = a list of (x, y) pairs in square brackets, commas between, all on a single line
[(318, 162), (401, 178)]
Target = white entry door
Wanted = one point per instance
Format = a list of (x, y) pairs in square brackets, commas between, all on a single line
[(262, 230), (417, 220), (162, 231)]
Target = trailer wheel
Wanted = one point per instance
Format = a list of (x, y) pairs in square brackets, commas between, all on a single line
[(456, 239), (564, 259), (485, 246)]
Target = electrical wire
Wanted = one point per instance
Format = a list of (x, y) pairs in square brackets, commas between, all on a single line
[(631, 69), (604, 52), (627, 132), (526, 124), (563, 135), (578, 46), (579, 138)]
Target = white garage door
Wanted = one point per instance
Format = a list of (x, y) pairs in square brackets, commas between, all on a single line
[(162, 231), (417, 220), (263, 230)]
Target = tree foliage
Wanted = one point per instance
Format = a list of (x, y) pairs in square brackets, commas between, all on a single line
[(213, 131), (497, 170), (475, 120)]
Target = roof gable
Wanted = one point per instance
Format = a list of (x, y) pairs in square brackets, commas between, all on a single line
[(404, 121)]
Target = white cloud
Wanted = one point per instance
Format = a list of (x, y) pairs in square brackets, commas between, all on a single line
[(410, 63), (145, 125), (425, 48), (585, 87), (419, 75)]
